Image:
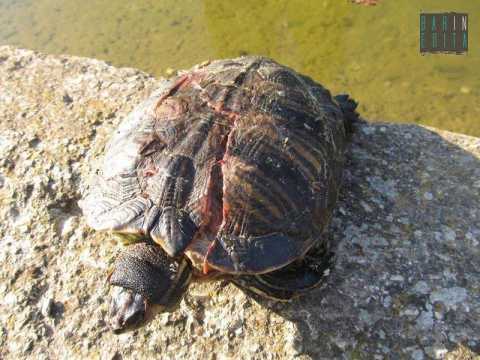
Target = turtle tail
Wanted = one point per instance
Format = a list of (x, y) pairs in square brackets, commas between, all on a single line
[(348, 106)]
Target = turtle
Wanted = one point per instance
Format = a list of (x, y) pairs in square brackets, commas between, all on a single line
[(230, 170)]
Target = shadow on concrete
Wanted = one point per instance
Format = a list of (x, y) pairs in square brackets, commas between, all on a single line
[(408, 260)]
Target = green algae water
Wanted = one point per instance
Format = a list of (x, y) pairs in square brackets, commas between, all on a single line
[(371, 52)]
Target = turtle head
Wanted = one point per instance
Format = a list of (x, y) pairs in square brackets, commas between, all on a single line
[(145, 281)]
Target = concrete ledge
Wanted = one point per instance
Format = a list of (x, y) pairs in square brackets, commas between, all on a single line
[(406, 284)]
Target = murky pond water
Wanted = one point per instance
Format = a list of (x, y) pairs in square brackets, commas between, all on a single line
[(370, 52)]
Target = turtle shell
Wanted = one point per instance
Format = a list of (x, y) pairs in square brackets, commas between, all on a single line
[(234, 163)]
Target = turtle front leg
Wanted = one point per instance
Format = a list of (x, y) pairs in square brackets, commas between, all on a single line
[(290, 281)]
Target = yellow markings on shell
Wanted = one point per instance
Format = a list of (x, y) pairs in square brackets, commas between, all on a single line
[(311, 154), (258, 192)]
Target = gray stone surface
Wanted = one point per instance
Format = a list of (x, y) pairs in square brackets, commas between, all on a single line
[(406, 284)]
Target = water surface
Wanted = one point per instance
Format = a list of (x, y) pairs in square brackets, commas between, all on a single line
[(370, 52)]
